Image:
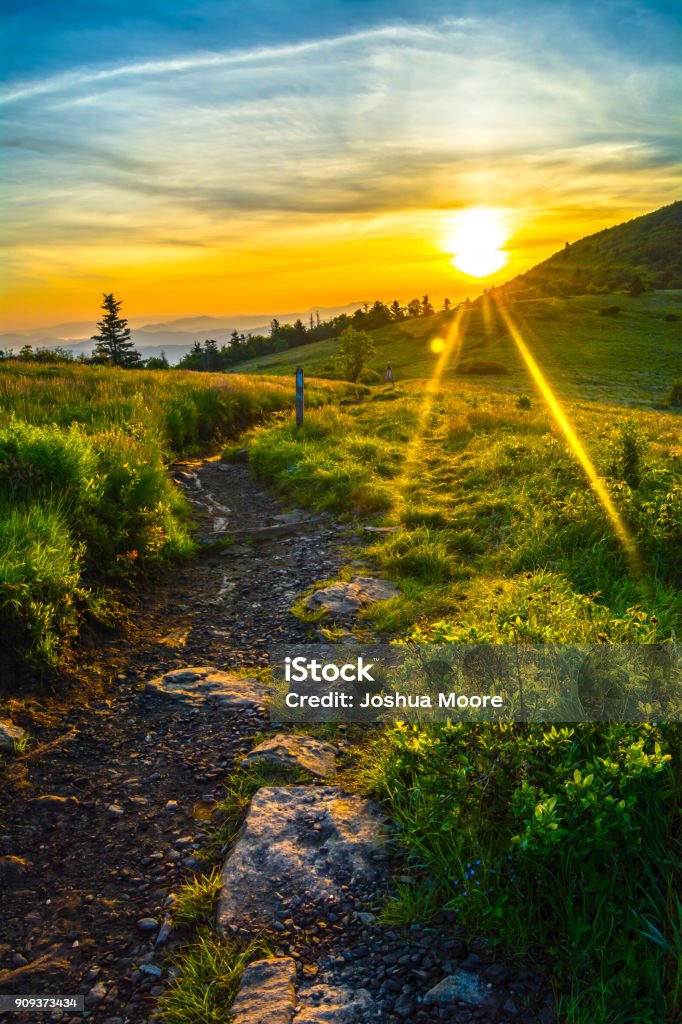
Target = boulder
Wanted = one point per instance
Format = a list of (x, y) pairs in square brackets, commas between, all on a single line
[(302, 752), (344, 600), (10, 734), (199, 686), (305, 842), (266, 994)]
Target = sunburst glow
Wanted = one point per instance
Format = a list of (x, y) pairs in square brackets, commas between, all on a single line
[(476, 241)]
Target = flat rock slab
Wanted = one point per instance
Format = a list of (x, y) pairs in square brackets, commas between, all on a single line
[(304, 842), (304, 752), (198, 686), (325, 1004), (10, 734), (461, 987), (266, 994), (346, 599)]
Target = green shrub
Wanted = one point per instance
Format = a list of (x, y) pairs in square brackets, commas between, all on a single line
[(675, 396), (534, 834), (370, 377)]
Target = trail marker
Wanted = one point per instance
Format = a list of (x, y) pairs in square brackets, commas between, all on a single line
[(299, 396)]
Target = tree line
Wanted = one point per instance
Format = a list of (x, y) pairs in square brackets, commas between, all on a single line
[(114, 346)]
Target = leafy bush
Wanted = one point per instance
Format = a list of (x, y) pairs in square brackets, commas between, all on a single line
[(675, 396), (535, 835)]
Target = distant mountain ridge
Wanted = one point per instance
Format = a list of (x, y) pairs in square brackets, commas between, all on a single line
[(646, 252), (173, 337)]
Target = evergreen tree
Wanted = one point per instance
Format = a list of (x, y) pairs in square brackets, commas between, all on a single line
[(113, 343)]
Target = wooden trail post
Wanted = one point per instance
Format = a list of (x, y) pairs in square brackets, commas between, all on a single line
[(299, 396)]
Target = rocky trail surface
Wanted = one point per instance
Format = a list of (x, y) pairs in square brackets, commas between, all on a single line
[(103, 816)]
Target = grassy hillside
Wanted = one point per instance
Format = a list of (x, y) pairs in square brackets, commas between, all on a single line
[(557, 842), (584, 347), (648, 248), (85, 500)]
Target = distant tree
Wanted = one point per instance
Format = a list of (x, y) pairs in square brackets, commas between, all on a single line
[(274, 327), (113, 344), (637, 286), (157, 362), (426, 307), (414, 307), (26, 353), (211, 354), (397, 311), (355, 348), (446, 305)]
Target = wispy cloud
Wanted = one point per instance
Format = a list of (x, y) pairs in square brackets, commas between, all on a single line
[(235, 149)]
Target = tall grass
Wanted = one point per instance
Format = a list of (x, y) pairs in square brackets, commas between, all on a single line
[(85, 499)]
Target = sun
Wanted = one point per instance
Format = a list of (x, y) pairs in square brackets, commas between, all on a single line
[(475, 240)]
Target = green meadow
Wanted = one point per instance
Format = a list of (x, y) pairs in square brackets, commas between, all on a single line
[(585, 349)]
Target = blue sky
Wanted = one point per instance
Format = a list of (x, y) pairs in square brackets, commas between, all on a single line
[(149, 144)]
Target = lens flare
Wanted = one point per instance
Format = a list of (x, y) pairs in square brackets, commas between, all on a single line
[(437, 346), (574, 442)]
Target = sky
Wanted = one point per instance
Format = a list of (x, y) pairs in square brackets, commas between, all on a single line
[(221, 157)]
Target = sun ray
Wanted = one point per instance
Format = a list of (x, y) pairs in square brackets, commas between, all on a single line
[(449, 351), (574, 442)]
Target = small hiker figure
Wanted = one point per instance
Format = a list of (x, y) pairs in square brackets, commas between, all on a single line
[(388, 376)]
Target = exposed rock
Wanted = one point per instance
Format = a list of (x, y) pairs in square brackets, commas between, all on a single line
[(10, 734), (12, 870), (304, 840), (343, 600), (51, 802), (460, 987), (381, 529), (196, 686), (302, 752), (266, 994), (324, 1004), (297, 516)]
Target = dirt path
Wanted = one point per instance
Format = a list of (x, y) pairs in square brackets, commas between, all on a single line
[(101, 821), (97, 847)]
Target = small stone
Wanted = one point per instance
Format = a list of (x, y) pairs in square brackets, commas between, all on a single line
[(151, 969), (115, 810), (96, 994), (171, 807), (165, 930), (147, 924)]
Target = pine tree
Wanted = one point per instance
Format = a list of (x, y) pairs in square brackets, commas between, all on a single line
[(113, 341)]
